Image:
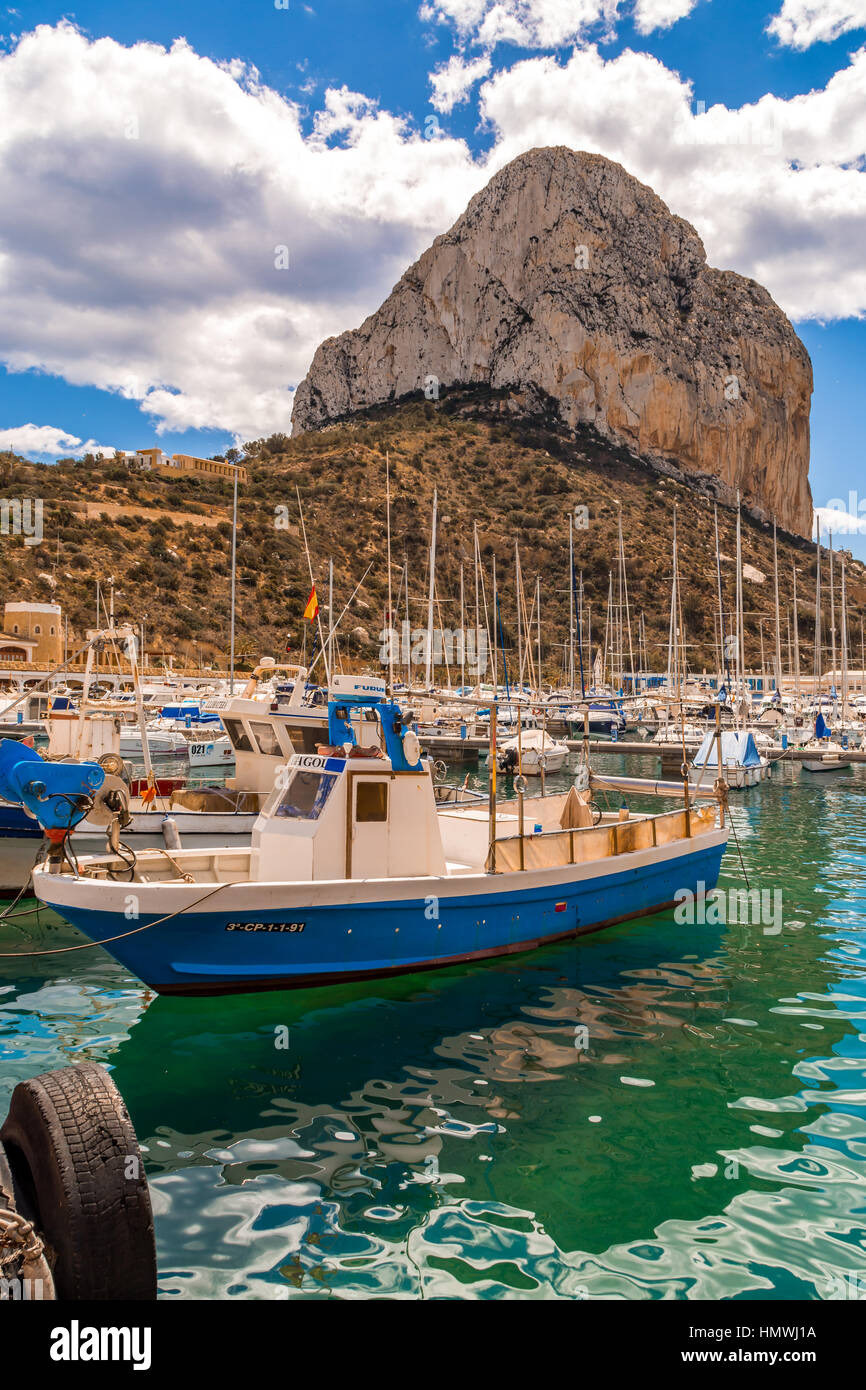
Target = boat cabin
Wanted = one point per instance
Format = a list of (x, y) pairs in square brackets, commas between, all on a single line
[(348, 816), (352, 809)]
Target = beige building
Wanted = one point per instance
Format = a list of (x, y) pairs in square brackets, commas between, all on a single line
[(40, 628), (154, 460)]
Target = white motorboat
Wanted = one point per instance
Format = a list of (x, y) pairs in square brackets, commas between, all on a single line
[(829, 756), (535, 751)]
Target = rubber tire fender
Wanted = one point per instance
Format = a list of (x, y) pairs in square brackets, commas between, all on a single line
[(73, 1152)]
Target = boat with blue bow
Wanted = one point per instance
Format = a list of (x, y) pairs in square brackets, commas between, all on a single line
[(354, 871)]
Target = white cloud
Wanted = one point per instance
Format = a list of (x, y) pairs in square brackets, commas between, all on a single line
[(138, 237), (453, 81), (47, 440), (548, 23), (838, 520), (774, 188), (800, 23), (146, 194), (525, 23), (660, 14)]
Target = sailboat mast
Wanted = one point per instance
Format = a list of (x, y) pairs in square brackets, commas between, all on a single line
[(741, 645), (477, 607), (844, 645), (832, 612), (390, 623), (428, 670), (233, 583), (518, 584), (722, 648), (796, 636), (608, 631), (570, 605), (625, 596), (495, 643), (778, 629), (818, 620), (408, 621), (462, 633), (538, 618), (330, 643), (673, 622)]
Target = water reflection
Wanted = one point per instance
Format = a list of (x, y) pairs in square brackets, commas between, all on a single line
[(658, 1111)]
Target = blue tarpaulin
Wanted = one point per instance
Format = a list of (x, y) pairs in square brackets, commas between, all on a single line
[(738, 750)]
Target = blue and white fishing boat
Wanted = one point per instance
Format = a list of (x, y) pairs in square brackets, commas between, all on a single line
[(353, 872)]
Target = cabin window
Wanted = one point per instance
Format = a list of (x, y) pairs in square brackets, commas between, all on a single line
[(306, 737), (266, 738), (371, 801), (306, 794), (238, 735)]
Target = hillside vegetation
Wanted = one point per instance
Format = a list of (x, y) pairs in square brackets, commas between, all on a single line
[(167, 543)]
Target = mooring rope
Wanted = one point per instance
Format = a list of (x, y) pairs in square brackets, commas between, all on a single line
[(107, 940)]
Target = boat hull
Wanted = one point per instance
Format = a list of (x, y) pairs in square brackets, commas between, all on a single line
[(737, 778), (825, 764), (262, 936)]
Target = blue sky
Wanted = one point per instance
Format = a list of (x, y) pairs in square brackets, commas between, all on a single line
[(147, 188)]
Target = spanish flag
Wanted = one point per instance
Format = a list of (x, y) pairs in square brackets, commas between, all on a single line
[(312, 609)]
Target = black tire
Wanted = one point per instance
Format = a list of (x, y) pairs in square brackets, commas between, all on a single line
[(71, 1145)]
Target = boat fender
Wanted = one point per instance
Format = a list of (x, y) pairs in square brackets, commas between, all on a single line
[(170, 833), (411, 747)]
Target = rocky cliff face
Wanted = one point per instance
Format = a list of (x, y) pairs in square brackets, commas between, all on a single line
[(567, 279)]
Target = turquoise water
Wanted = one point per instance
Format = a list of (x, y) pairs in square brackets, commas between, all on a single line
[(443, 1136)]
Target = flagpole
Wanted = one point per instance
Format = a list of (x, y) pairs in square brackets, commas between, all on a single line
[(346, 608), (313, 586)]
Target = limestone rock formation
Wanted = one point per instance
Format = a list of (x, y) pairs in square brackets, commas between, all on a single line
[(568, 281)]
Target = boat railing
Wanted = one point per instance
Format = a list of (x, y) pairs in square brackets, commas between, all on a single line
[(551, 848)]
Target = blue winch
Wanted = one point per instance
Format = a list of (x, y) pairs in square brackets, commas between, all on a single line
[(58, 795)]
